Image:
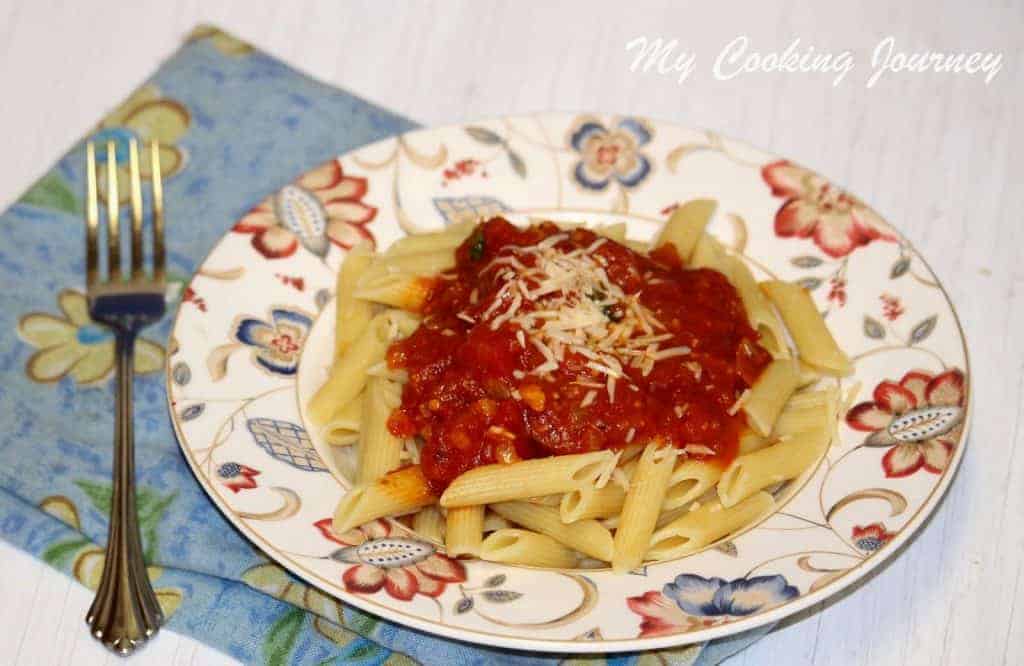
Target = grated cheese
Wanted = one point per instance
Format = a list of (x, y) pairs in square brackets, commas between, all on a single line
[(564, 303), (736, 406), (699, 449)]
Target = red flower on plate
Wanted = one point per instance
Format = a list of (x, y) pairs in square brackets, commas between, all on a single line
[(322, 207), (237, 476), (920, 417), (837, 291), (403, 567), (870, 538), (892, 309), (838, 222), (660, 615)]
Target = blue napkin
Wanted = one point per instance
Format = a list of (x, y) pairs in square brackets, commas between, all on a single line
[(237, 125)]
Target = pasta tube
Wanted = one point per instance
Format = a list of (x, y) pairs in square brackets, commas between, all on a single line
[(807, 327), (396, 493), (705, 525), (348, 375), (352, 315), (429, 523), (643, 503), (514, 546), (769, 394), (773, 464), (464, 530), (379, 450), (525, 479), (587, 536), (685, 226)]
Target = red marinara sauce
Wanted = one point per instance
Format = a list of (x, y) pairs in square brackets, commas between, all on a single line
[(475, 396)]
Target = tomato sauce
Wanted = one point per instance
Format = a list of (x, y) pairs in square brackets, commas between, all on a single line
[(472, 396)]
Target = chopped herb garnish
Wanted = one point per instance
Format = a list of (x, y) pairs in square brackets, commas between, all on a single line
[(612, 312), (596, 295), (476, 250)]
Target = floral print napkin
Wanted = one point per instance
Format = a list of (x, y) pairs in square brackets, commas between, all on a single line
[(235, 124)]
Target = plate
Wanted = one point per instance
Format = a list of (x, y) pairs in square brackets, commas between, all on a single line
[(252, 341)]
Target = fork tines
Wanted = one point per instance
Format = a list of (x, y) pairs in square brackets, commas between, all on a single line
[(92, 249)]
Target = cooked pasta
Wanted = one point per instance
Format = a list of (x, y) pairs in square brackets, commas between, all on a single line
[(394, 494), (352, 315), (773, 464), (685, 227), (379, 450), (544, 411), (515, 546), (586, 536), (807, 327), (464, 530), (705, 525), (643, 502), (529, 478)]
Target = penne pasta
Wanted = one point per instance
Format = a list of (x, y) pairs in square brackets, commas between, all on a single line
[(807, 327), (493, 521), (801, 419), (808, 375), (751, 441), (396, 493), (709, 253), (548, 291), (525, 479), (343, 428), (448, 239), (773, 464), (423, 264), (464, 530), (705, 525), (405, 291), (348, 375), (616, 232), (352, 315), (818, 398), (429, 523), (513, 546), (643, 502), (759, 309), (769, 394), (587, 502), (685, 226), (689, 480), (546, 500), (379, 450), (586, 536)]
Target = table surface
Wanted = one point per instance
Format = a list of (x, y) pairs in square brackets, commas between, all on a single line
[(933, 152)]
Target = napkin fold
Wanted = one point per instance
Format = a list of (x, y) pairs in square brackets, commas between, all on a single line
[(236, 124)]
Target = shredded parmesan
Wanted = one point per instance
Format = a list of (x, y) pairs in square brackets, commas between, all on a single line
[(620, 478), (699, 450), (609, 469), (563, 303), (736, 406), (411, 451)]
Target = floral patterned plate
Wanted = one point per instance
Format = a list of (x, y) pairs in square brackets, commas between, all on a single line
[(261, 303)]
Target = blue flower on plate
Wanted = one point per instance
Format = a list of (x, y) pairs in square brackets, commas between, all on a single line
[(704, 597), (608, 154), (276, 344)]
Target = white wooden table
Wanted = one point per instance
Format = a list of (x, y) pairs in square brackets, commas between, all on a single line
[(937, 154)]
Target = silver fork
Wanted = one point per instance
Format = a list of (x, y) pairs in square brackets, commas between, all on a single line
[(125, 611)]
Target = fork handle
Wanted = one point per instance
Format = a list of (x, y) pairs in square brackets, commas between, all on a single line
[(125, 611)]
